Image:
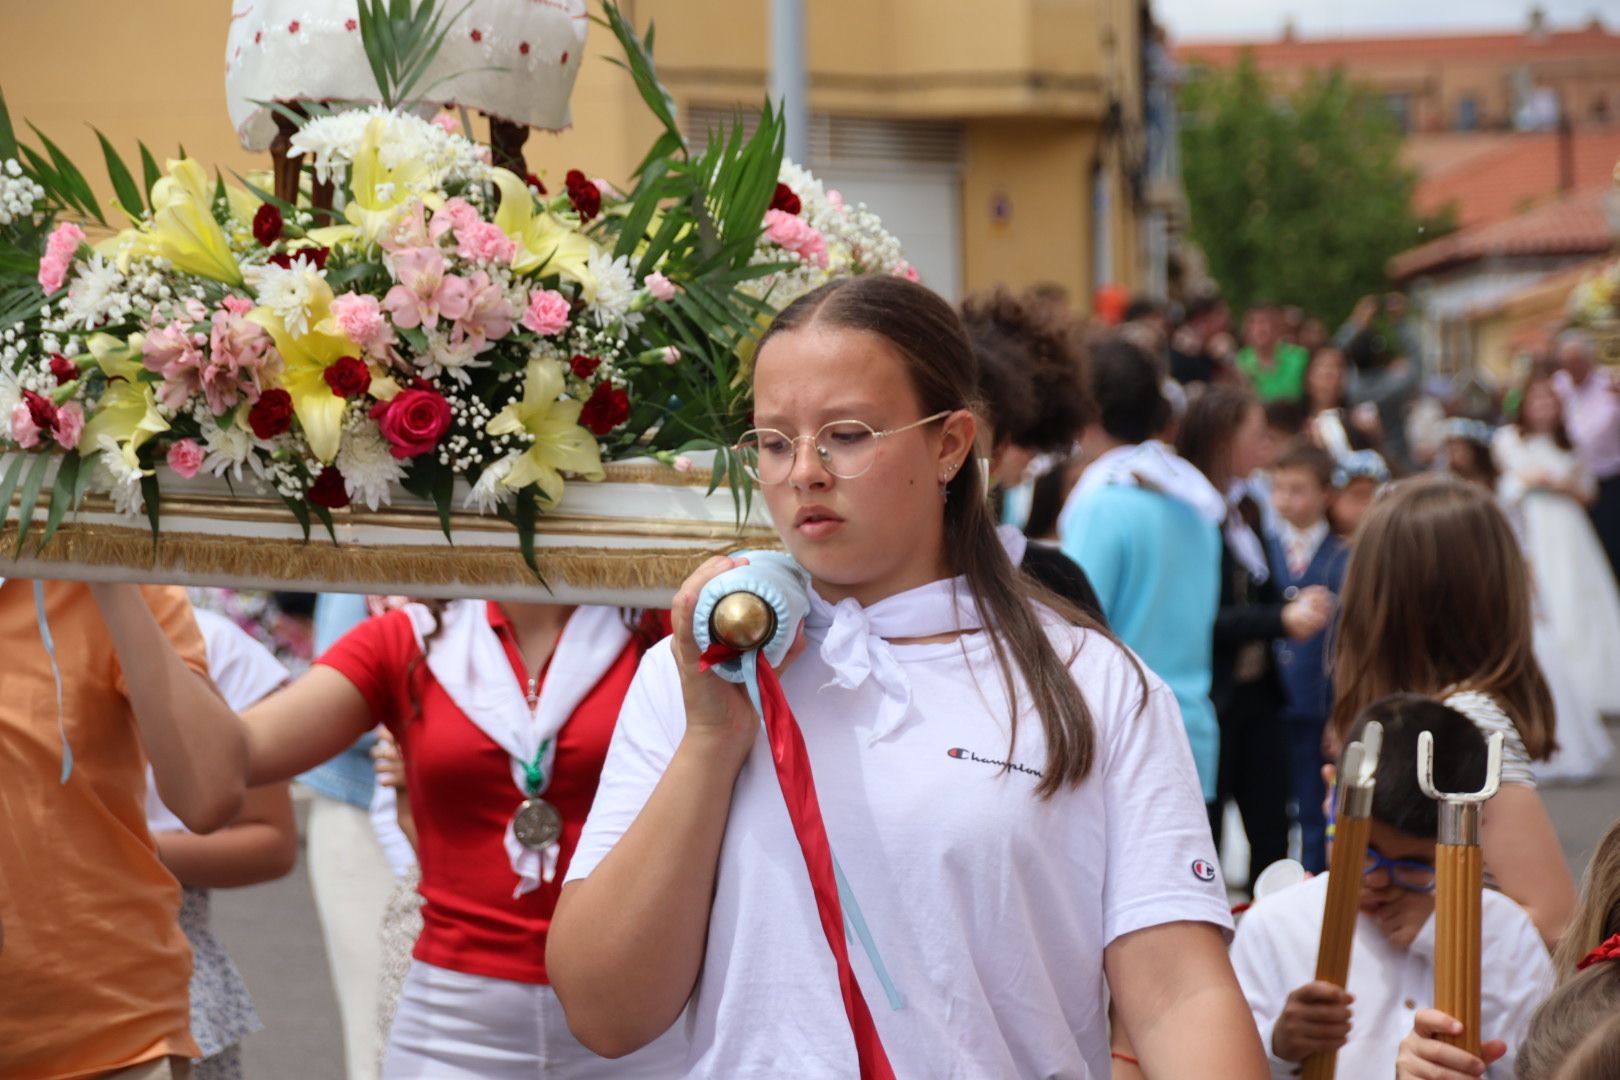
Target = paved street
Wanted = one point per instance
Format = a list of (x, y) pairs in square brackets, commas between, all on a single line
[(272, 934)]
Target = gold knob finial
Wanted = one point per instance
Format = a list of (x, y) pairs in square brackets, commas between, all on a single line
[(742, 621)]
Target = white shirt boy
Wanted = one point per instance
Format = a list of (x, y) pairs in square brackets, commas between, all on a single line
[(1275, 953), (990, 907)]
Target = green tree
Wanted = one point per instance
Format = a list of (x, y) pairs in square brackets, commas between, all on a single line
[(1296, 198)]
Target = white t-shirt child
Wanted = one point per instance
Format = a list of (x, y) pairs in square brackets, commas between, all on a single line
[(989, 906)]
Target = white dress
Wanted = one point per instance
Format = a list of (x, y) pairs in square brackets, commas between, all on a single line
[(1575, 591), (513, 59)]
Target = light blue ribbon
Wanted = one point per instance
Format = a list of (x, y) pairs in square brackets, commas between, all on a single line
[(854, 920), (56, 673)]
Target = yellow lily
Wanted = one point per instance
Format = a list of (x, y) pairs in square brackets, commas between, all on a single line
[(183, 228), (305, 358), (380, 192), (127, 412), (559, 442), (544, 241)]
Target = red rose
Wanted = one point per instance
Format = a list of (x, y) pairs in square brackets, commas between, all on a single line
[(316, 256), (64, 369), (586, 196), (267, 224), (534, 182), (606, 409), (271, 414), (40, 410), (348, 377), (414, 421), (584, 366), (329, 490), (785, 200)]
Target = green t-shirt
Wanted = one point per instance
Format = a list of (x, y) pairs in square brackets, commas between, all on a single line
[(1284, 380)]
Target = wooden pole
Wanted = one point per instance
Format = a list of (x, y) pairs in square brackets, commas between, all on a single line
[(1352, 823)]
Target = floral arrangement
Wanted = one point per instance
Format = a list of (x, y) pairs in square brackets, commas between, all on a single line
[(1596, 300), (450, 328)]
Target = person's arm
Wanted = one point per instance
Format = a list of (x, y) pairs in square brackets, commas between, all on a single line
[(1522, 852), (1424, 1057), (196, 744), (295, 729), (1180, 1005), (626, 942), (261, 845)]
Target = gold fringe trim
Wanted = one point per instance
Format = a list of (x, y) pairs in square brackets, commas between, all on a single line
[(363, 565), (625, 473)]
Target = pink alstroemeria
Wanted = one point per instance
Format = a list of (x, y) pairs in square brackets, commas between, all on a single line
[(456, 213), (425, 293), (489, 313), (174, 352), (408, 229), (241, 355)]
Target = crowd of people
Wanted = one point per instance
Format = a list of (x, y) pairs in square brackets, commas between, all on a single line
[(1077, 588)]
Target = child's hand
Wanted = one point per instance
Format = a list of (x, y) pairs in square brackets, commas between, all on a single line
[(1315, 1017), (1425, 1057)]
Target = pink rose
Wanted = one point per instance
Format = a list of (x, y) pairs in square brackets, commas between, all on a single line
[(69, 424), (792, 233), (485, 242), (185, 458), (548, 312), (659, 286), (361, 319), (60, 247), (414, 421), (24, 432)]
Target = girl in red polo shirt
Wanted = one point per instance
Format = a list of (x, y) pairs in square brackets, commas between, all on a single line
[(503, 714)]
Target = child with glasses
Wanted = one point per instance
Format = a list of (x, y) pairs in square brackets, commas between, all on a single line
[(1392, 955)]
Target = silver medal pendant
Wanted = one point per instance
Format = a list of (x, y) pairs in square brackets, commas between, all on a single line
[(537, 825)]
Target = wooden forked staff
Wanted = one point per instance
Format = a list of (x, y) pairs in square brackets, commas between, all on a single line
[(1458, 881), (1352, 821)]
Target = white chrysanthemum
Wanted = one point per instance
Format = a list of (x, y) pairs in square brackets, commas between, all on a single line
[(120, 480), (369, 470), (288, 291), (489, 493), (95, 294), (333, 141), (615, 287), (231, 448)]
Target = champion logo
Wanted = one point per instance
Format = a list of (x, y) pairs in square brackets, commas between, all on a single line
[(1203, 870), (961, 753)]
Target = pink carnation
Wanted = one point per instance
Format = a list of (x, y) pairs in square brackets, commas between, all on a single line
[(793, 233), (69, 423), (24, 432), (185, 458), (684, 464), (60, 247), (361, 319), (909, 272), (241, 354), (456, 213), (548, 312), (484, 242), (176, 354), (237, 305), (659, 286)]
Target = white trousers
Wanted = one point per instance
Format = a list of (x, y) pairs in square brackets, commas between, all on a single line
[(453, 1026), (351, 881)]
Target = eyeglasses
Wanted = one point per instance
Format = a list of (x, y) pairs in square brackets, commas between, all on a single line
[(1409, 874), (845, 448)]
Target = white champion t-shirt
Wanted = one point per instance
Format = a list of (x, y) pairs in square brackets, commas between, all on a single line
[(990, 907)]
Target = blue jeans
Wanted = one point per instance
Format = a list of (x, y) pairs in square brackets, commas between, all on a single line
[(1305, 788)]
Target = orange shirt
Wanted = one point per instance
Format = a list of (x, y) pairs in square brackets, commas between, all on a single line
[(93, 967)]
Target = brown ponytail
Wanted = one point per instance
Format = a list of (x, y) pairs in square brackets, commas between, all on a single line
[(928, 337)]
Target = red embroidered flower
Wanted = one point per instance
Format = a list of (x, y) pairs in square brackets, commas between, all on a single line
[(349, 24), (785, 200), (316, 256), (414, 420), (584, 366), (477, 34), (292, 27), (258, 36), (267, 224), (63, 369), (533, 180), (348, 377), (1609, 950), (586, 196), (606, 408), (565, 58), (523, 47), (329, 490), (271, 414)]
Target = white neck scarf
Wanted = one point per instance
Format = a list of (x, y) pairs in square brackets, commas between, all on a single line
[(470, 663), (1155, 465), (1241, 537), (854, 642)]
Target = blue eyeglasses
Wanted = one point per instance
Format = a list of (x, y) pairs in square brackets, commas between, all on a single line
[(1410, 874)]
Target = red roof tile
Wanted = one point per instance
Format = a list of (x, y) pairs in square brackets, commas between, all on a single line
[(1582, 224), (1495, 181), (1515, 46)]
